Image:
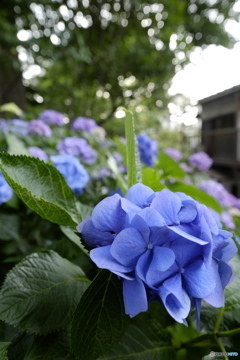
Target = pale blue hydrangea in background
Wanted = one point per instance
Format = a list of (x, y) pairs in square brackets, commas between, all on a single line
[(147, 149), (53, 117), (84, 123), (165, 246), (73, 171), (36, 152), (174, 153), (5, 190), (3, 126), (78, 147), (39, 127), (185, 167), (201, 160), (18, 125)]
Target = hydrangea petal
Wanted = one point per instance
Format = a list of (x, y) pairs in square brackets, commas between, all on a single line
[(174, 286), (187, 236), (216, 297), (225, 272), (198, 280), (108, 215), (186, 251), (178, 310), (163, 259), (135, 297), (187, 213), (139, 194), (102, 257), (127, 246), (92, 236), (168, 205)]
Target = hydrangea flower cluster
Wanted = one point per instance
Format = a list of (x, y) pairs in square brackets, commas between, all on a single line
[(174, 153), (19, 125), (53, 117), (36, 152), (147, 149), (78, 147), (39, 127), (218, 191), (164, 246), (5, 190), (73, 171), (201, 160), (83, 123)]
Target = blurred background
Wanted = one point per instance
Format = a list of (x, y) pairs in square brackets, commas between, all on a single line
[(92, 57)]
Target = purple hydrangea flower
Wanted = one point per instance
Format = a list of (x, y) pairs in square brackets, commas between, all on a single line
[(53, 117), (83, 123), (174, 153), (73, 171), (38, 127), (3, 126), (78, 147), (227, 219), (38, 153), (201, 160), (147, 149), (164, 246), (19, 125), (185, 167), (218, 191), (5, 190)]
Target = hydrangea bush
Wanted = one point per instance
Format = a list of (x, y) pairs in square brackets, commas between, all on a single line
[(112, 249)]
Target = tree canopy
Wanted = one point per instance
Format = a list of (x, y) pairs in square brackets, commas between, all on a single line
[(94, 56)]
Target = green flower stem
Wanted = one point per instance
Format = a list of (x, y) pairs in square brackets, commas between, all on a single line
[(229, 333), (219, 319), (220, 344)]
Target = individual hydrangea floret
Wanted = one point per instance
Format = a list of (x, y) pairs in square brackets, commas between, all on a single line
[(5, 190), (174, 153), (73, 171), (84, 123), (36, 152), (164, 246), (38, 127), (201, 160), (78, 147), (53, 117), (147, 149), (18, 125), (218, 191)]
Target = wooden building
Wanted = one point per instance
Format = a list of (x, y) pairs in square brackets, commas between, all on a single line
[(220, 117)]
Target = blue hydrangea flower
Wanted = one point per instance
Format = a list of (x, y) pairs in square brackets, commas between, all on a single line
[(53, 117), (165, 246), (72, 170), (5, 190), (147, 149), (19, 125), (78, 147), (84, 123), (201, 160), (36, 152), (38, 127)]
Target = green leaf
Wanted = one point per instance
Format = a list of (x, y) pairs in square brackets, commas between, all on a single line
[(232, 293), (12, 108), (9, 226), (99, 320), (196, 194), (73, 237), (151, 178), (145, 339), (3, 350), (15, 145), (41, 187), (40, 293), (170, 167), (51, 347), (84, 210), (133, 161)]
